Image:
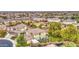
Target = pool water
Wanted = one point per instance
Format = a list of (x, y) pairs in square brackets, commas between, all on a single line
[(6, 43)]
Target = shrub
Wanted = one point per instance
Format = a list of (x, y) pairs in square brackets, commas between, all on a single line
[(21, 40), (70, 44), (12, 23), (41, 38), (38, 45), (2, 33), (55, 26), (56, 33), (69, 33)]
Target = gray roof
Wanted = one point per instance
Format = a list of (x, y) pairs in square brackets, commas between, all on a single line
[(70, 20)]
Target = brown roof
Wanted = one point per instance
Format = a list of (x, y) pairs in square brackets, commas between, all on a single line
[(31, 32), (36, 31)]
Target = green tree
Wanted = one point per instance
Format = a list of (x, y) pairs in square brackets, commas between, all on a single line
[(53, 28), (21, 40), (54, 31), (50, 32), (33, 25), (69, 33), (40, 26), (70, 44)]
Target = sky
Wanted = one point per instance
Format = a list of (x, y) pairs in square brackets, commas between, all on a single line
[(38, 5)]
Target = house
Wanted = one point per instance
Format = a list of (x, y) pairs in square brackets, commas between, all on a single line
[(11, 34), (18, 28), (39, 19), (36, 31), (31, 33), (69, 21), (53, 19)]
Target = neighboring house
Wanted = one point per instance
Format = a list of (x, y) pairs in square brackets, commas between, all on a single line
[(17, 28), (69, 21), (53, 19), (11, 34), (39, 19)]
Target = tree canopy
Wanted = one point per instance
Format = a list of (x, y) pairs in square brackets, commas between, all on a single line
[(69, 33), (21, 40)]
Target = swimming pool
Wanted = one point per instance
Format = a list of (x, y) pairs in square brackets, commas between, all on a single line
[(5, 43)]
